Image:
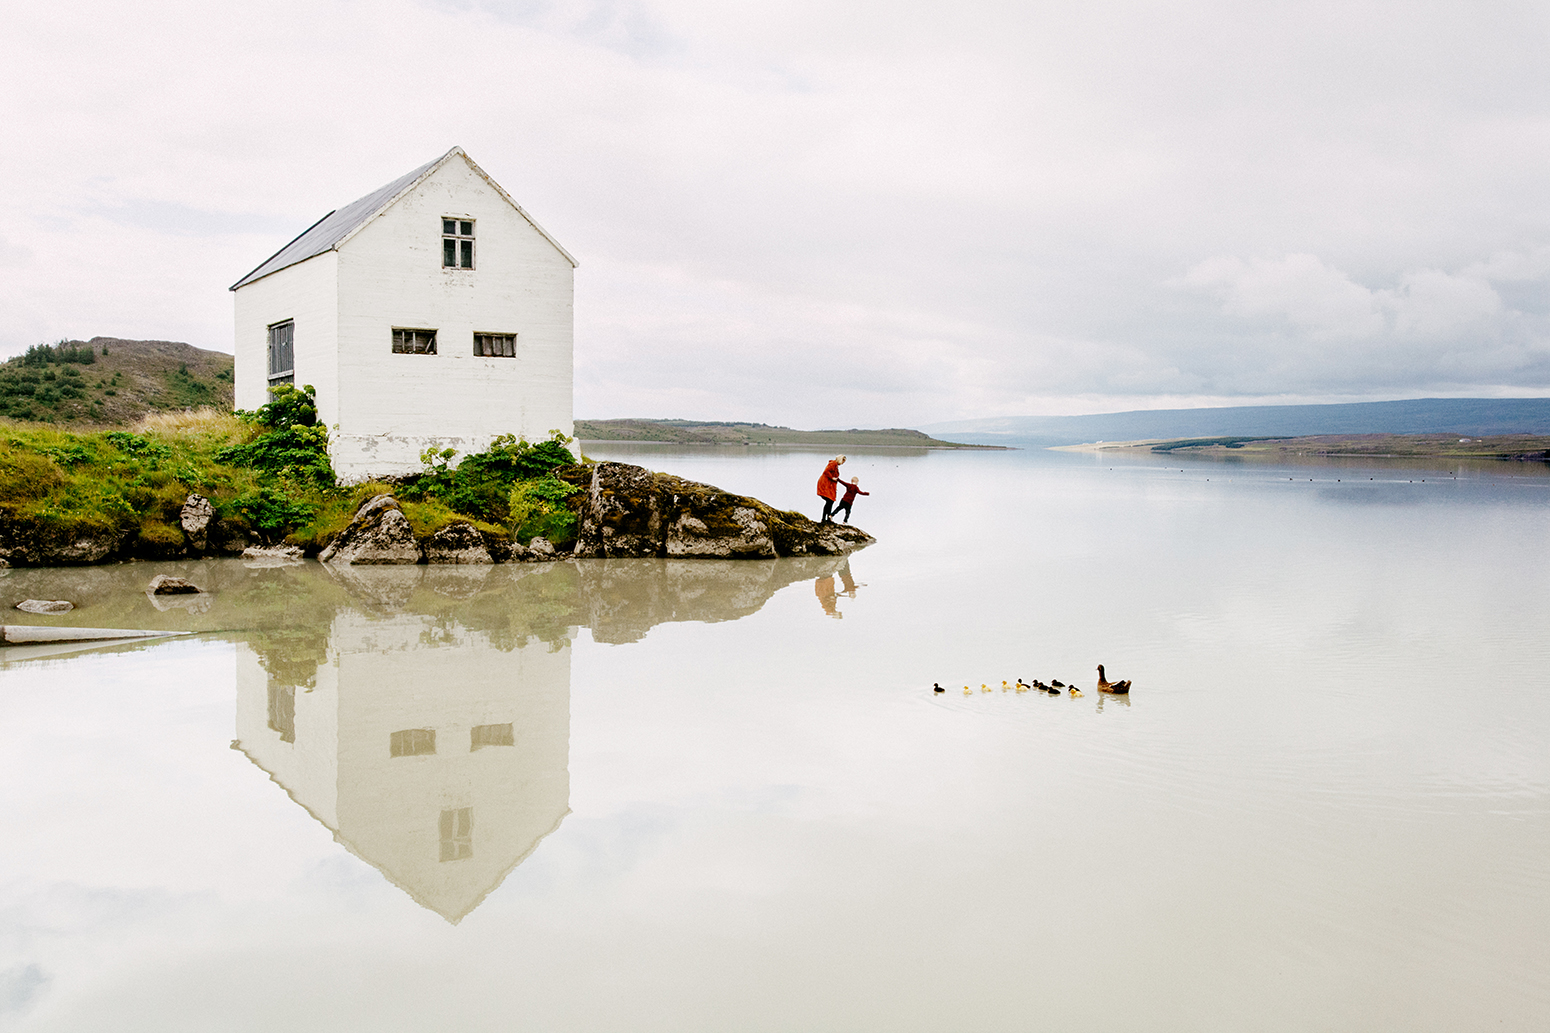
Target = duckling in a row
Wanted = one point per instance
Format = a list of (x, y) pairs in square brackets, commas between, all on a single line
[(937, 688)]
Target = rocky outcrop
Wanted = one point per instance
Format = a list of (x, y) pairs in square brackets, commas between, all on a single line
[(629, 511), (195, 519), (458, 542), (379, 533)]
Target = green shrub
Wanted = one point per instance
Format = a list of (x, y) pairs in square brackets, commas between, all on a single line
[(536, 508)]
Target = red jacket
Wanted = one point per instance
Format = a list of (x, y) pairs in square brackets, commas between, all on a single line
[(851, 491), (826, 483)]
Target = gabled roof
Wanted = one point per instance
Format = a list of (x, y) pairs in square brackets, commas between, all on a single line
[(338, 226)]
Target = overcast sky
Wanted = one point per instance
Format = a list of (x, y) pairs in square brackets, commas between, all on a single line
[(821, 213)]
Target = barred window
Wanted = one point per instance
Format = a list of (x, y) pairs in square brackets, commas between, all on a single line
[(457, 243), (490, 735), (282, 353), (497, 345), (412, 742), (414, 342)]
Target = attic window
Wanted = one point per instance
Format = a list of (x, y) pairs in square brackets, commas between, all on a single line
[(457, 834), (414, 342), (502, 346), (457, 243), (282, 353)]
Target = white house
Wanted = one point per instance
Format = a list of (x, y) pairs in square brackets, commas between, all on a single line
[(433, 312)]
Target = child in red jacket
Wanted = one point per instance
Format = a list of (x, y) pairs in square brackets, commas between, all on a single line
[(851, 491)]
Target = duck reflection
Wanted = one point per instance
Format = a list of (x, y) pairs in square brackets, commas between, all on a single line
[(423, 715)]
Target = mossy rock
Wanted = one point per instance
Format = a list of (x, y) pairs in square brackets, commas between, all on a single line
[(631, 511)]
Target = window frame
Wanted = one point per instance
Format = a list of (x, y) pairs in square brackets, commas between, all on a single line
[(280, 376), (504, 345), (409, 346), (460, 241), (412, 742)]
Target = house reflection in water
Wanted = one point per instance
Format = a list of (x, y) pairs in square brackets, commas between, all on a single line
[(423, 714), (431, 754)]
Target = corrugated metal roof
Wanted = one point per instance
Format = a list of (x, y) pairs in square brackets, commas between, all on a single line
[(336, 225)]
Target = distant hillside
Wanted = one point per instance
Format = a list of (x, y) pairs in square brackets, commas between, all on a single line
[(1474, 417), (691, 432), (111, 381)]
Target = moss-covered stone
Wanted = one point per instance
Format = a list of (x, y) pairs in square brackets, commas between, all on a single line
[(629, 511)]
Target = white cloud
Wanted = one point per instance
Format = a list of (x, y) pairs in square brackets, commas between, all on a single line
[(788, 211)]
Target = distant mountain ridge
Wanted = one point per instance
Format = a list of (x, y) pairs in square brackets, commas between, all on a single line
[(1471, 416), (702, 432)]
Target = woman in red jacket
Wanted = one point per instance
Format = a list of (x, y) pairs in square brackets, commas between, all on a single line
[(826, 487)]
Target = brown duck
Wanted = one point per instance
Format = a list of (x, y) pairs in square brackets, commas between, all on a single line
[(1104, 685)]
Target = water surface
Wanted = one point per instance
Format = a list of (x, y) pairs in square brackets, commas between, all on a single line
[(652, 795)]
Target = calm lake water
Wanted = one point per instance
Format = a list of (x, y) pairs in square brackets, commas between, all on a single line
[(648, 795)]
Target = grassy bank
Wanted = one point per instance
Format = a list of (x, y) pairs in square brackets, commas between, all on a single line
[(80, 496)]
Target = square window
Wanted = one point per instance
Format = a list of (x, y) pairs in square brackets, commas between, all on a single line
[(499, 346), (414, 342), (457, 243), (412, 742)]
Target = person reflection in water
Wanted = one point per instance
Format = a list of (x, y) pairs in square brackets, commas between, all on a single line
[(848, 581), (827, 597), (827, 491)]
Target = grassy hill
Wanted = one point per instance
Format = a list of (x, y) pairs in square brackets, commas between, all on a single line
[(108, 381), (691, 432)]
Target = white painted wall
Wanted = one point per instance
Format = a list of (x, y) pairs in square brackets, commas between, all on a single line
[(308, 767), (391, 407), (308, 294), (383, 409)]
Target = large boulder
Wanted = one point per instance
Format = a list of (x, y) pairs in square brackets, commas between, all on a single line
[(195, 520), (629, 511), (458, 542), (379, 534)]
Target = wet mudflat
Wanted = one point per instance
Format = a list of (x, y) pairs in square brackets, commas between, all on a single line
[(652, 795)]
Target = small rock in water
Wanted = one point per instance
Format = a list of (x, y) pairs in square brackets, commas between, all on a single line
[(540, 549), (45, 606), (166, 584), (271, 555)]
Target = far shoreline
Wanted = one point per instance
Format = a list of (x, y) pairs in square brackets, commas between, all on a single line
[(1500, 447)]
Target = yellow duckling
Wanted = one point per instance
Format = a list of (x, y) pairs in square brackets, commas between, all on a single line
[(1075, 692), (984, 687), (1004, 685), (968, 691)]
